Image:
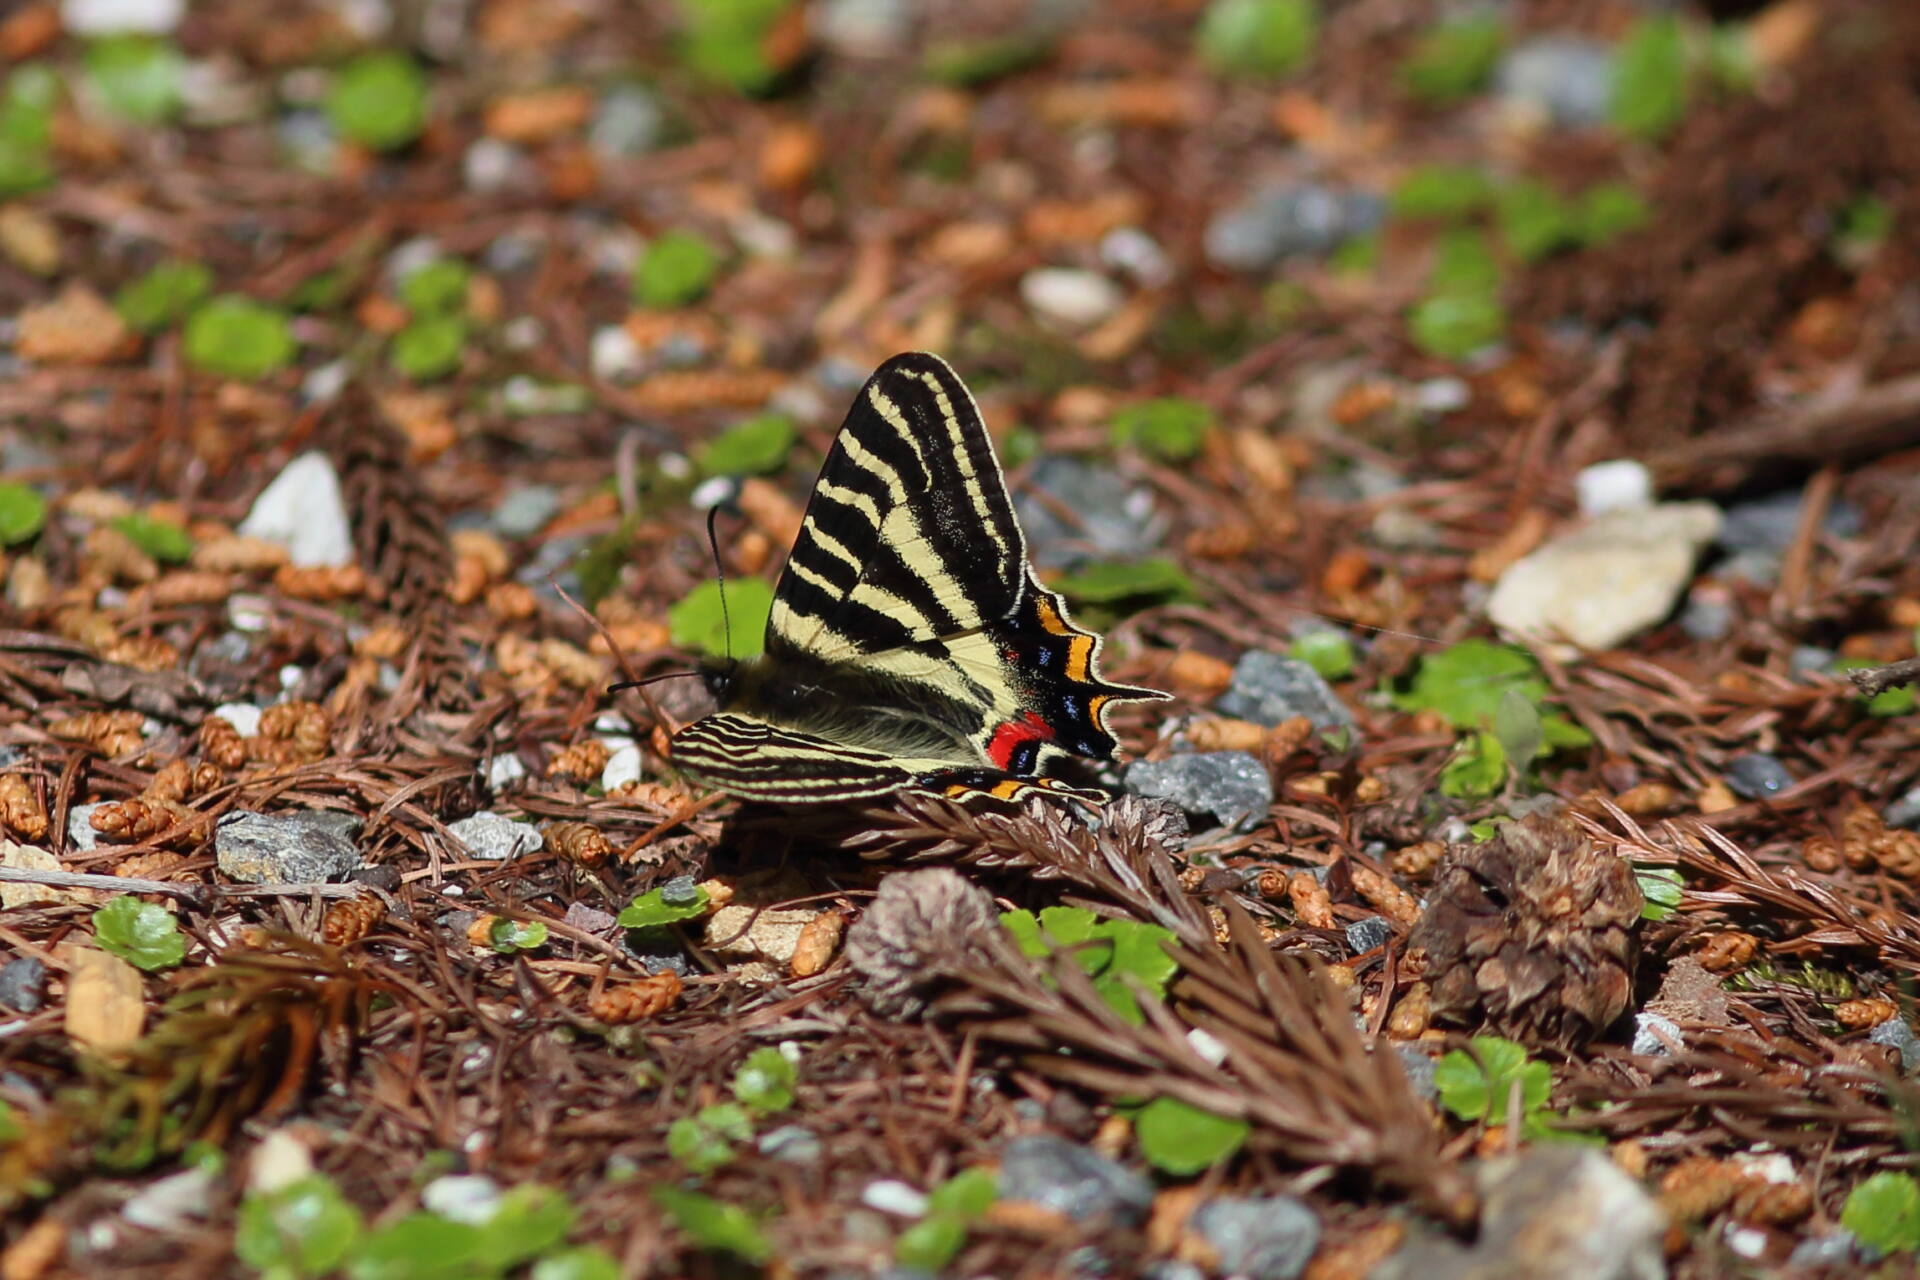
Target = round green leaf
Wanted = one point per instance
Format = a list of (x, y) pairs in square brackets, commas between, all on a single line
[(235, 337), (738, 629), (161, 539), (755, 447), (1453, 325), (163, 295), (1650, 77), (712, 1224), (1181, 1139), (142, 934), (306, 1228), (651, 910), (1171, 428), (1108, 582), (1328, 652), (1258, 38), (577, 1264), (1884, 1211), (765, 1081), (439, 286), (677, 268), (137, 77), (23, 513), (930, 1244), (422, 1246), (379, 100), (430, 347)]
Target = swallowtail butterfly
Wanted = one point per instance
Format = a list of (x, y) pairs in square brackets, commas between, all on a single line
[(910, 647)]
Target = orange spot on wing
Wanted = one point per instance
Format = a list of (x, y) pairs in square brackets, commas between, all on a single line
[(1050, 619)]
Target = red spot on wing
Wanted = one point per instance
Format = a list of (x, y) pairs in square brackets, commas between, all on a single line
[(1008, 737)]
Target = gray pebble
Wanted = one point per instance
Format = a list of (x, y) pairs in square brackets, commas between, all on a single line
[(1173, 1269), (1289, 220), (1807, 657), (80, 827), (863, 28), (1233, 787), (491, 836), (1071, 1180), (1896, 1034), (1756, 775), (588, 919), (627, 122), (791, 1144), (681, 891), (1364, 935), (381, 875), (296, 848), (1419, 1068), (525, 511), (1905, 812), (1652, 1034), (1270, 1238), (1268, 688), (23, 984), (1770, 523), (1837, 1249), (1706, 618), (1113, 517), (1568, 77)]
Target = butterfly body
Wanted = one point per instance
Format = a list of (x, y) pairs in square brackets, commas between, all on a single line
[(909, 646)]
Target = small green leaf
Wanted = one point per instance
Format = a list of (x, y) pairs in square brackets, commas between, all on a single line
[(508, 936), (137, 77), (1171, 429), (590, 1263), (436, 288), (738, 630), (1139, 951), (11, 1130), (1479, 1089), (142, 934), (1444, 192), (1112, 581), (758, 446), (1454, 60), (765, 1081), (1476, 769), (1660, 887), (1069, 926), (161, 539), (1516, 723), (1864, 226), (1022, 444), (713, 1225), (677, 268), (1463, 264), (1328, 652), (1025, 928), (1356, 256), (1181, 1139), (1884, 1211), (23, 513), (530, 1220), (305, 1228), (697, 1146), (930, 1244), (1609, 210), (967, 1195), (967, 63), (430, 347), (235, 337), (1465, 682), (725, 41), (1453, 326), (163, 295), (1562, 734), (728, 1119), (651, 910), (26, 128), (1650, 78), (379, 100), (1257, 38), (1535, 221), (422, 1246)]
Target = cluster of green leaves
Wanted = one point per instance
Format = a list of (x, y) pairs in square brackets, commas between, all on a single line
[(725, 41), (714, 1224), (1116, 954), (1258, 39), (27, 100), (379, 100), (763, 1086), (952, 1207), (1328, 652), (1884, 1212), (1480, 1084), (1496, 694), (509, 936), (143, 934), (1171, 429), (677, 268), (136, 77), (308, 1228), (759, 446), (435, 336), (1455, 59), (654, 910), (737, 628), (23, 513)]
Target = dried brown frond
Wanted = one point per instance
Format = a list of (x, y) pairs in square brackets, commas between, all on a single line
[(397, 530), (638, 1000)]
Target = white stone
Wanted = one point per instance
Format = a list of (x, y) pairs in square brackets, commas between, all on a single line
[(613, 354), (623, 766), (489, 835), (324, 384), (119, 17), (1655, 1035), (891, 1196), (1070, 297), (167, 1203), (505, 770), (1620, 485), (243, 716), (302, 511), (278, 1162), (19, 894), (1613, 576), (491, 165), (1138, 254), (471, 1199)]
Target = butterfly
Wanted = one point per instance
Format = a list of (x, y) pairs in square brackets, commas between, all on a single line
[(910, 646)]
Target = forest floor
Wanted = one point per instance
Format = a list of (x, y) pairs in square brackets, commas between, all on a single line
[(355, 927)]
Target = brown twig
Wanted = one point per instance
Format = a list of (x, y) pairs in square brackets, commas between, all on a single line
[(1873, 681)]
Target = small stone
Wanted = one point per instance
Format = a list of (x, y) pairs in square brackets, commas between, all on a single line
[(1070, 297), (613, 355), (1905, 812), (1114, 519), (1655, 1035), (504, 771), (1232, 787), (1607, 579), (1442, 395), (1620, 485), (1420, 1069), (1290, 220), (1269, 688), (889, 1195), (1270, 1238), (622, 767), (302, 510), (588, 919), (681, 891), (1364, 935), (30, 239), (863, 28), (525, 511), (791, 1144), (1769, 524), (23, 984), (297, 848), (1756, 774), (1894, 1033), (627, 122), (75, 326), (496, 838), (166, 1204), (470, 1199), (1568, 79), (381, 875), (754, 931), (1706, 617), (80, 832), (490, 165), (280, 1160), (1133, 251), (1810, 659), (121, 17), (1073, 1181), (243, 716), (1818, 1253)]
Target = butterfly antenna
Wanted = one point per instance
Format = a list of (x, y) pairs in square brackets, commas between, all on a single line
[(720, 572), (646, 680)]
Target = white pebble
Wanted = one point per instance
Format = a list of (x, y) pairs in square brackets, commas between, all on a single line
[(1070, 297), (301, 509), (504, 771), (120, 17), (613, 354), (243, 716), (1133, 251), (472, 1199), (1620, 485), (623, 766), (891, 1196), (279, 1161)]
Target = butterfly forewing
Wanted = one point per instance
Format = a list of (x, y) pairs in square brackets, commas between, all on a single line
[(909, 645)]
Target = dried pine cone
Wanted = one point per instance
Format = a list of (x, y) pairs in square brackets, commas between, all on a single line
[(1725, 952), (306, 726), (632, 1001), (135, 819), (580, 843), (351, 919), (819, 939), (321, 582), (161, 864), (20, 807), (182, 780), (109, 732), (582, 762), (221, 743), (1531, 934), (917, 918)]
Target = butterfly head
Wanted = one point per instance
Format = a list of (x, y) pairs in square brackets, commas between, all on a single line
[(719, 675)]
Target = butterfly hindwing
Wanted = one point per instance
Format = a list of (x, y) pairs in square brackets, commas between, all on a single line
[(909, 644)]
